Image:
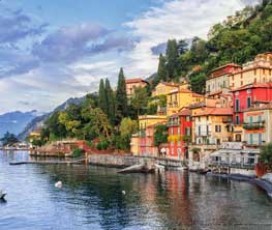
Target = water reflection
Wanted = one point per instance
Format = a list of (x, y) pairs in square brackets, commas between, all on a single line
[(91, 197)]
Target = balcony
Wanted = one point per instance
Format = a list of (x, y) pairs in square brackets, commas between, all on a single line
[(254, 125), (227, 120), (173, 123)]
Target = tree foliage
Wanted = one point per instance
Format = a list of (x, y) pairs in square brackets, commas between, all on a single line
[(9, 139), (121, 98), (160, 135), (266, 154)]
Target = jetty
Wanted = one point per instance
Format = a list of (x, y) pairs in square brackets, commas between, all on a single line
[(46, 162)]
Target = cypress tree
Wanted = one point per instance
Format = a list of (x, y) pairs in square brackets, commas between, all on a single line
[(121, 98), (172, 65), (110, 101), (162, 72), (102, 103)]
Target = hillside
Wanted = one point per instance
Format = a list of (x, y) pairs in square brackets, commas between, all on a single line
[(238, 39), (37, 122)]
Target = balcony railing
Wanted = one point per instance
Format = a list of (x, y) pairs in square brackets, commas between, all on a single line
[(254, 125), (227, 120), (173, 123)]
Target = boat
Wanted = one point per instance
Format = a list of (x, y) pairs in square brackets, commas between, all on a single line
[(140, 168), (171, 167), (159, 166)]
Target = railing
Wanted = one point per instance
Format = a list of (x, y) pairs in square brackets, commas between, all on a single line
[(173, 123), (254, 125), (227, 120), (232, 165)]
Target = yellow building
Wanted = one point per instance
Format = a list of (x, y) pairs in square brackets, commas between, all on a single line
[(163, 88), (257, 125), (181, 97), (259, 70), (148, 120)]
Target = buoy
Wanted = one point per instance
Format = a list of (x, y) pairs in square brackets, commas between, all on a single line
[(123, 192), (58, 184)]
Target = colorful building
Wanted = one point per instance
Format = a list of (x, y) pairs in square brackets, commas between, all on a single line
[(164, 88), (211, 127), (179, 134), (132, 84), (257, 71), (219, 78), (180, 98), (257, 125), (243, 99), (147, 125)]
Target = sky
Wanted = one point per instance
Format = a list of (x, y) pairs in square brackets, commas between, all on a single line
[(53, 50)]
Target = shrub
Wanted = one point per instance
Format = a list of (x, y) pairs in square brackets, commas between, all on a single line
[(102, 145), (78, 152)]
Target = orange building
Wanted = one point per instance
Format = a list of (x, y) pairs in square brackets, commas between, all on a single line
[(132, 84)]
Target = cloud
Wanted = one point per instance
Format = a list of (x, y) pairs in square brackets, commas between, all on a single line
[(69, 61), (180, 19), (15, 62), (15, 26), (68, 44)]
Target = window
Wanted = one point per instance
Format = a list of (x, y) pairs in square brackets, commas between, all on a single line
[(187, 118), (251, 138), (218, 128), (237, 105), (248, 102), (260, 138), (199, 130), (207, 118), (237, 120), (238, 137)]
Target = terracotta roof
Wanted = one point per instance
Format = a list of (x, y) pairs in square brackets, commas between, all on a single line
[(254, 85), (214, 111), (224, 66), (134, 80), (170, 84), (184, 112)]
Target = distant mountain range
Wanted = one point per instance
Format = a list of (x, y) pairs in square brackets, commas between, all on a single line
[(15, 122), (22, 123)]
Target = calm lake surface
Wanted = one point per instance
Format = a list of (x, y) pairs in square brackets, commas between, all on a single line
[(92, 198)]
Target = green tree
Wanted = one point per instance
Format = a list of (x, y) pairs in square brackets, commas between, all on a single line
[(110, 98), (121, 98), (172, 63), (266, 154), (139, 99), (128, 127), (9, 139), (162, 72), (160, 135), (102, 97)]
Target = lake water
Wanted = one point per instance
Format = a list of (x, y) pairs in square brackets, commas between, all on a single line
[(92, 198)]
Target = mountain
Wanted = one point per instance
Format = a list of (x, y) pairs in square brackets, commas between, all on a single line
[(38, 121), (14, 122)]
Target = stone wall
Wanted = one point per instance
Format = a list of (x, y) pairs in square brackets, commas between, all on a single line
[(117, 161)]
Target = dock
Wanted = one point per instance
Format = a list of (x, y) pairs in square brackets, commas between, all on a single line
[(75, 161)]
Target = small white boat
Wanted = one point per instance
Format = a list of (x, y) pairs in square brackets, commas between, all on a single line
[(158, 166)]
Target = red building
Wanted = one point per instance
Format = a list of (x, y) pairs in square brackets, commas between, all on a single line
[(146, 142), (245, 96), (179, 134)]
